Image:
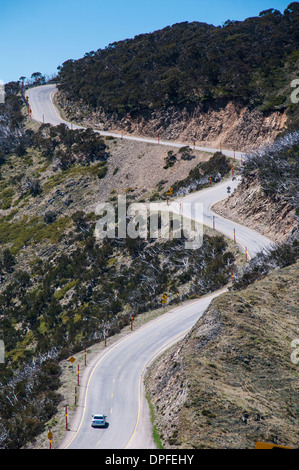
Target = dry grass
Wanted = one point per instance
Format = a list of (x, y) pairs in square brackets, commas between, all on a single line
[(240, 385)]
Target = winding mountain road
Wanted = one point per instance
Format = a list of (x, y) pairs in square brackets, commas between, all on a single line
[(44, 110), (113, 383)]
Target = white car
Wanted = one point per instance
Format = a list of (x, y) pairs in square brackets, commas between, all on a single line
[(98, 421)]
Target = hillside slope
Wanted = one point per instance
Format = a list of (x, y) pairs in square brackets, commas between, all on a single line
[(251, 207), (231, 382), (59, 285), (191, 81), (268, 197)]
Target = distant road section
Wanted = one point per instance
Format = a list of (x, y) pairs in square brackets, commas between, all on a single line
[(42, 106), (247, 239), (44, 110)]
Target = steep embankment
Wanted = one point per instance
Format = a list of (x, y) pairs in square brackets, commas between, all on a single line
[(231, 382), (268, 198), (250, 206), (221, 123)]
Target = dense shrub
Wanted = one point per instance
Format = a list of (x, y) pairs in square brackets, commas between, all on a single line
[(266, 261), (189, 63), (277, 168)]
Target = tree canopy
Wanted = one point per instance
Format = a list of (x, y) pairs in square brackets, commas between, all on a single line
[(188, 63)]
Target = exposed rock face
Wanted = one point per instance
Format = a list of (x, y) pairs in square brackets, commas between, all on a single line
[(229, 125), (250, 206), (222, 123)]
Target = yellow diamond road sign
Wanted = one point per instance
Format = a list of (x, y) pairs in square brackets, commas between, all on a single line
[(72, 359)]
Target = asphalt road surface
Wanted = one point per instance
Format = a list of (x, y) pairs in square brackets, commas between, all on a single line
[(113, 384)]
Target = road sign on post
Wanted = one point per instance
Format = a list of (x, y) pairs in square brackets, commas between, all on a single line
[(168, 193), (164, 299)]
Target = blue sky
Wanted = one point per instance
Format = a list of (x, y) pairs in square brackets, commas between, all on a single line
[(39, 35)]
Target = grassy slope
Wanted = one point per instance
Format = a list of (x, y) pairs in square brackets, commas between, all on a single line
[(232, 382)]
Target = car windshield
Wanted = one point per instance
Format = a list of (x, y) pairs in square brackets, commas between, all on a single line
[(98, 417)]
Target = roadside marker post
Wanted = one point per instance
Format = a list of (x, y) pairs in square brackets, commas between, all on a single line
[(78, 375), (75, 395), (234, 235), (213, 222), (50, 437), (105, 335), (66, 417), (85, 355), (131, 322)]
